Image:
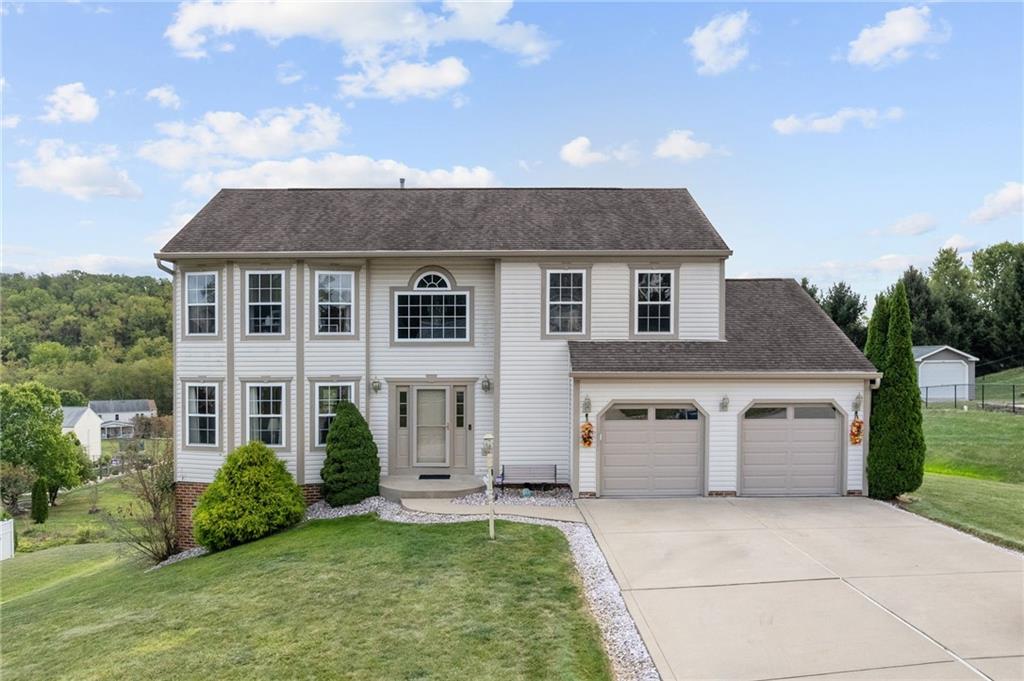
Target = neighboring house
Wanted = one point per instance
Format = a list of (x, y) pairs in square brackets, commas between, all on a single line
[(447, 314), (85, 424), (119, 416), (944, 373)]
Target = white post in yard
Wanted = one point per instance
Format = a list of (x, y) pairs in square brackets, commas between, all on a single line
[(489, 456)]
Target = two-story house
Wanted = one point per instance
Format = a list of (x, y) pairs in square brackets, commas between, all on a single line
[(448, 314)]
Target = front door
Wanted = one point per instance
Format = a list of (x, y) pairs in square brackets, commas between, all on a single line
[(430, 446)]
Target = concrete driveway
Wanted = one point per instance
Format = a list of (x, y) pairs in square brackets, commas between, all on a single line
[(842, 589)]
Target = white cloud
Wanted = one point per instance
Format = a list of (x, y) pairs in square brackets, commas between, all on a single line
[(960, 243), (719, 46), (528, 166), (868, 118), (680, 145), (1006, 201), (893, 263), (577, 152), (375, 37), (339, 170), (289, 74), (165, 96), (64, 168), (70, 102), (3, 83), (10, 121), (892, 40), (223, 137), (401, 80), (98, 263), (225, 47), (912, 225)]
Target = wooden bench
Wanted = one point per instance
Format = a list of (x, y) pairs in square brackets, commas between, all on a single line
[(527, 475)]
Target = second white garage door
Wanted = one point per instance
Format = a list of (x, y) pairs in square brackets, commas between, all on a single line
[(651, 451), (790, 450)]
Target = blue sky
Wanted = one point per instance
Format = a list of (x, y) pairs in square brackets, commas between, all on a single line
[(829, 140)]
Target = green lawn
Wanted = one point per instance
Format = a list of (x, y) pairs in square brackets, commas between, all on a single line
[(354, 598), (1008, 376), (974, 474), (69, 521)]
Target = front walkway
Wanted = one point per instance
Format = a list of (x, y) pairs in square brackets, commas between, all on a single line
[(841, 588), (562, 513)]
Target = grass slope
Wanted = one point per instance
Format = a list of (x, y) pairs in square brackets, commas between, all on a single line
[(69, 521), (354, 598), (1008, 376), (974, 474)]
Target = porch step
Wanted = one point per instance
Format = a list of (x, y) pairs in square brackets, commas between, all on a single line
[(398, 487)]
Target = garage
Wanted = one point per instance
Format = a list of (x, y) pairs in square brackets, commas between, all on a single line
[(944, 373), (790, 450), (651, 450)]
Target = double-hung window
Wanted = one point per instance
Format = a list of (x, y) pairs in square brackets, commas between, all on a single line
[(328, 396), (201, 303), (266, 413), (432, 311), (264, 293), (201, 414), (653, 301), (334, 303), (566, 305)]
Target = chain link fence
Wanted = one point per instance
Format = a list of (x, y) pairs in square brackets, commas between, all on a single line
[(992, 396)]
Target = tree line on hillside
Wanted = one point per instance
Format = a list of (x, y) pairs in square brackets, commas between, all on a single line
[(977, 308), (103, 336)]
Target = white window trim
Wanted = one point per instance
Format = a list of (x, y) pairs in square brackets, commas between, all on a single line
[(432, 291), (216, 303), (249, 416), (548, 303), (419, 278), (637, 302), (284, 309), (316, 405), (316, 304), (216, 415)]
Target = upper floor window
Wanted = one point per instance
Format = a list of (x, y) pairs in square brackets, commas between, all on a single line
[(432, 311), (201, 415), (334, 303), (328, 396), (566, 303), (264, 295), (201, 303), (653, 301)]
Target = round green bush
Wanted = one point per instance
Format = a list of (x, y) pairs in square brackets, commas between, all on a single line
[(351, 470), (40, 501), (252, 495)]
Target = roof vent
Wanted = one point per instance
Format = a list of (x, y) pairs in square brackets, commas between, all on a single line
[(401, 183)]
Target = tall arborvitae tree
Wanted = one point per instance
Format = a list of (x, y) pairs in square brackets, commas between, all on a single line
[(896, 460), (878, 329), (351, 469)]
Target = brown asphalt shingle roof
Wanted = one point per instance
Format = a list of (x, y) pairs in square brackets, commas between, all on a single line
[(770, 325), (366, 220)]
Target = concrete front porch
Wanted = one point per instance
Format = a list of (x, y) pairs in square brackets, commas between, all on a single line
[(398, 487)]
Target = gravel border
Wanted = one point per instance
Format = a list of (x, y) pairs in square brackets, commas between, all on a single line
[(625, 648), (558, 497)]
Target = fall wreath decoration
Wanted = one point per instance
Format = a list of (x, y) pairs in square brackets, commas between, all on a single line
[(587, 434), (856, 430)]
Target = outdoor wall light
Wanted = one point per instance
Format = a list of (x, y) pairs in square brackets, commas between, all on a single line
[(376, 384), (486, 384), (858, 402), (586, 405), (724, 404)]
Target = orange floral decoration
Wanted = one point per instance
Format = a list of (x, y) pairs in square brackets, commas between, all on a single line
[(856, 431), (587, 434)]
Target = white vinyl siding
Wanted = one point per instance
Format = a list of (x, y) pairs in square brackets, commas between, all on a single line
[(723, 426), (535, 387), (699, 299)]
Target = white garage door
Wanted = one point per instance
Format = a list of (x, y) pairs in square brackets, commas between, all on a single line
[(651, 451), (790, 450), (942, 377)]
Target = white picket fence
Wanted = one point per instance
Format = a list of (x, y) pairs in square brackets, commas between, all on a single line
[(6, 539)]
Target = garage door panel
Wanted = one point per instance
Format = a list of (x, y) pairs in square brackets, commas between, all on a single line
[(791, 456), (651, 457)]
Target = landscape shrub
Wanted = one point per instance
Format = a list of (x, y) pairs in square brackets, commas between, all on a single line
[(40, 501), (896, 457), (351, 469), (252, 495), (147, 523)]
